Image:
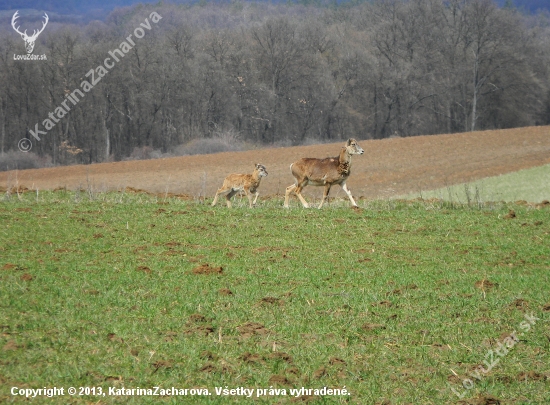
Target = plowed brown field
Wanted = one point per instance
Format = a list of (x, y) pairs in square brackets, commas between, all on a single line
[(388, 168)]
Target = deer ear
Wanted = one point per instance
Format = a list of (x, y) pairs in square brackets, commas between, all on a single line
[(348, 143)]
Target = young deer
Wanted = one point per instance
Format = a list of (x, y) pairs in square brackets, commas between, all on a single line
[(323, 172), (237, 182)]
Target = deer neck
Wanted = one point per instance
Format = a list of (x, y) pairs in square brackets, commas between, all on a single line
[(344, 162), (256, 177)]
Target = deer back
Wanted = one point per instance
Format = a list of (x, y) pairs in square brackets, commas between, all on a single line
[(321, 171)]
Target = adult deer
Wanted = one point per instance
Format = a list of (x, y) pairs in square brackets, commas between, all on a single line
[(29, 40), (248, 183), (323, 172)]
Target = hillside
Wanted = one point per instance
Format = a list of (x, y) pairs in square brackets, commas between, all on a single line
[(389, 167)]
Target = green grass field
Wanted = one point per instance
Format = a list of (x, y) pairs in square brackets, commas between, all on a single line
[(532, 185), (397, 302)]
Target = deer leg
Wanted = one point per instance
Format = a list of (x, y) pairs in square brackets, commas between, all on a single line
[(348, 192), (296, 188), (325, 194), (289, 190), (256, 198), (228, 197), (220, 191), (215, 200), (249, 195), (297, 191)]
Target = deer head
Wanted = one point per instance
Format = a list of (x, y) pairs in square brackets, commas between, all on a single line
[(262, 171), (29, 40), (353, 147)]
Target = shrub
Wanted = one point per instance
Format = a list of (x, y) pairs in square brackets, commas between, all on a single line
[(145, 153), (227, 141), (15, 160)]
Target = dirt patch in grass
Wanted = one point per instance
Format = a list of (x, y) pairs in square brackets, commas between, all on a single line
[(248, 357), (250, 329), (485, 285), (172, 244), (397, 291), (208, 355), (372, 326), (531, 375), (145, 269), (335, 361), (225, 291), (280, 356), (271, 301), (198, 324), (207, 269), (484, 400), (195, 318), (384, 303), (520, 303), (10, 266), (169, 336), (162, 364), (208, 368), (114, 338), (91, 292), (320, 372), (278, 379), (114, 379), (201, 330), (10, 345)]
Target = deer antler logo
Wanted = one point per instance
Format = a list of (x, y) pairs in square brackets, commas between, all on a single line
[(29, 40)]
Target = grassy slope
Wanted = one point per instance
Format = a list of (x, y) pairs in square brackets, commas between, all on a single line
[(531, 185), (381, 300)]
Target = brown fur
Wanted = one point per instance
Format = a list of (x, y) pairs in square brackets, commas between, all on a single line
[(323, 172), (248, 183)]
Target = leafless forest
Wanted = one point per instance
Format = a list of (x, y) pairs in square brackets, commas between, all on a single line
[(264, 74)]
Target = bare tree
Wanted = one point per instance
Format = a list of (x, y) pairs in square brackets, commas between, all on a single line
[(490, 37), (276, 73)]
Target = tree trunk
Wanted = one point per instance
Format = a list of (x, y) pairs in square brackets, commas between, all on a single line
[(3, 130), (107, 141), (476, 89)]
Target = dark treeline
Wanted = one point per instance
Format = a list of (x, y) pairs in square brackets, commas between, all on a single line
[(275, 74)]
